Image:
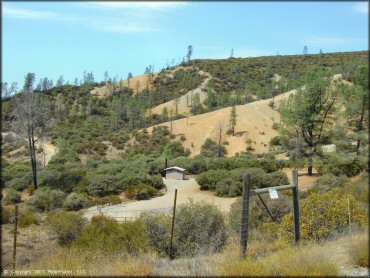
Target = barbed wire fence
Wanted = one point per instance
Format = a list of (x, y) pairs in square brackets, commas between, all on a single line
[(122, 214)]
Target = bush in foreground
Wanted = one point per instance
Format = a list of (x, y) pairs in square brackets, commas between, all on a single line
[(74, 201), (65, 225), (326, 215), (106, 235), (28, 218), (199, 229), (12, 197), (46, 199), (327, 182), (141, 192)]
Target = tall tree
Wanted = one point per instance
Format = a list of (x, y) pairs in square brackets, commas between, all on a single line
[(30, 119), (309, 111), (60, 81), (233, 118), (220, 130), (305, 51), (106, 77), (4, 90), (129, 76), (232, 53), (190, 52), (357, 106)]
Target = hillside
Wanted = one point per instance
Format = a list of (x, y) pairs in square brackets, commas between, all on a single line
[(254, 122), (136, 83), (101, 191)]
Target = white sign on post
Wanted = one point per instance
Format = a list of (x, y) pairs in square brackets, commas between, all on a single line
[(273, 194)]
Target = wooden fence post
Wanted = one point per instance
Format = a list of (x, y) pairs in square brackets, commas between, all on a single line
[(15, 236), (173, 224), (245, 215), (296, 206)]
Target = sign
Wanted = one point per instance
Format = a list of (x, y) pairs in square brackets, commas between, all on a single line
[(273, 194)]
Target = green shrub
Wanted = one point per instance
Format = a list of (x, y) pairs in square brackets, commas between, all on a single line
[(325, 215), (208, 180), (260, 179), (141, 192), (341, 165), (13, 170), (21, 181), (275, 141), (65, 225), (258, 214), (360, 189), (199, 229), (197, 165), (229, 187), (7, 215), (45, 199), (102, 185), (327, 182), (112, 199), (28, 218), (12, 197), (74, 201), (275, 126), (128, 179), (157, 227), (212, 149), (107, 235), (62, 177), (175, 149)]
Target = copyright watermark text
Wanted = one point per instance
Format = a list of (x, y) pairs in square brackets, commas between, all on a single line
[(49, 272)]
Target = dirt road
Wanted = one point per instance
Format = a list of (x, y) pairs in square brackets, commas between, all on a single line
[(186, 190)]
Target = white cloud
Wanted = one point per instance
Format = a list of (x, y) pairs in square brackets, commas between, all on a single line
[(27, 14), (126, 21), (149, 5), (120, 26), (362, 7)]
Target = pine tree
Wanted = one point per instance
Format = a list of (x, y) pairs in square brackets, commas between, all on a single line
[(233, 118), (310, 112)]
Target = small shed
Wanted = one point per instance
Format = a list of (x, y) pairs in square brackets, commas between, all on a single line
[(175, 173)]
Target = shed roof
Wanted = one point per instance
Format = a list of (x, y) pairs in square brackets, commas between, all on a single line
[(176, 168)]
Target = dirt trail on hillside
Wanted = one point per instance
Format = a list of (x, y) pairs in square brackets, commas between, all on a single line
[(50, 150), (137, 84), (184, 104)]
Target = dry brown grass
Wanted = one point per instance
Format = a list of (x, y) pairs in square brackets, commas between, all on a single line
[(359, 250), (281, 259), (96, 264), (254, 119), (264, 258)]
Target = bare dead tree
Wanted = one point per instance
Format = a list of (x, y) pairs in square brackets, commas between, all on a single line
[(30, 119)]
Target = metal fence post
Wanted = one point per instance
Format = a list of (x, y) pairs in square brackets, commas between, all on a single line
[(173, 224), (245, 215), (296, 206), (15, 236)]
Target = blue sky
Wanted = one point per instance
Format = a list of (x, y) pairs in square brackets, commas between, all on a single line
[(66, 38)]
